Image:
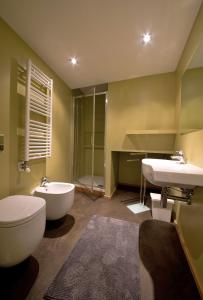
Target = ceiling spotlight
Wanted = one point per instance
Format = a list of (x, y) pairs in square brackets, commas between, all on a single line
[(73, 60), (146, 38)]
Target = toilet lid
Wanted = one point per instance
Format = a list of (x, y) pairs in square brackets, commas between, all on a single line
[(18, 209)]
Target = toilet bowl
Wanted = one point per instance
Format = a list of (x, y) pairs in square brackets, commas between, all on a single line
[(59, 198), (22, 225)]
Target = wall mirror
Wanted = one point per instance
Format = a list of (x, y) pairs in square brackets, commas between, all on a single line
[(191, 116)]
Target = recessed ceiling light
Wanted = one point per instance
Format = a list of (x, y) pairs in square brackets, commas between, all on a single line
[(73, 60), (146, 37)]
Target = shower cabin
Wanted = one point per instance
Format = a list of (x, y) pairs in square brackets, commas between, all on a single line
[(89, 137)]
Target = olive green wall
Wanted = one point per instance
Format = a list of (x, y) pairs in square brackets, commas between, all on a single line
[(190, 218), (138, 104), (13, 57)]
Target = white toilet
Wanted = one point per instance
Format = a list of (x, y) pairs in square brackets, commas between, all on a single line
[(22, 225)]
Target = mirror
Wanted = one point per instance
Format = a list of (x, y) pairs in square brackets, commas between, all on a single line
[(191, 117)]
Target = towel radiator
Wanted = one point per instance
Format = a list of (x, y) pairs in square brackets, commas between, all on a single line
[(38, 119)]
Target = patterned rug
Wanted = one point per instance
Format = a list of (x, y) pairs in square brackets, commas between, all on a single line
[(102, 266)]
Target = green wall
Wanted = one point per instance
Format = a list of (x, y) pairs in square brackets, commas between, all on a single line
[(190, 218), (14, 53), (138, 104)]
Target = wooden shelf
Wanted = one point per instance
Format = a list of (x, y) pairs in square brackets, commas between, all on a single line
[(154, 131), (144, 151)]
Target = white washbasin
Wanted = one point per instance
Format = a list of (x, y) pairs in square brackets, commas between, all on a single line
[(164, 172)]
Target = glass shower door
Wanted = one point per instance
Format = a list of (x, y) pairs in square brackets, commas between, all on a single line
[(83, 141), (99, 132), (89, 140)]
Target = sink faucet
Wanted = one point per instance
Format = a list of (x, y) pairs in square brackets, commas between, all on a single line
[(44, 180), (179, 157)]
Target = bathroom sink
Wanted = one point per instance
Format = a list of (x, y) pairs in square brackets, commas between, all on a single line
[(164, 172)]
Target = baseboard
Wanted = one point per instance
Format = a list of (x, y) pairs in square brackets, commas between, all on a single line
[(189, 259)]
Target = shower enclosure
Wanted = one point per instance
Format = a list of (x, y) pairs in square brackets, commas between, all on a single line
[(89, 138)]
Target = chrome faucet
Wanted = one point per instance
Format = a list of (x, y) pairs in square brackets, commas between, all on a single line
[(179, 157), (44, 181)]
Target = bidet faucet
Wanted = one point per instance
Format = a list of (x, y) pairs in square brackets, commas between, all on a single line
[(44, 180), (179, 157)]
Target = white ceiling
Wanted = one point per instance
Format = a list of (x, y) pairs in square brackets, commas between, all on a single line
[(104, 35)]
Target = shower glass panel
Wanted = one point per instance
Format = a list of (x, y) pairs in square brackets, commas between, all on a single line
[(99, 141), (89, 128), (83, 141)]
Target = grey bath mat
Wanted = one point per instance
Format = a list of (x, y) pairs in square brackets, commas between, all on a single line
[(102, 266)]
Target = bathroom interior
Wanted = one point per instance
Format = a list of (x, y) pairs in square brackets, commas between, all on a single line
[(87, 107)]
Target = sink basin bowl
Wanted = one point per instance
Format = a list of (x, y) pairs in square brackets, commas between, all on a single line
[(164, 172)]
